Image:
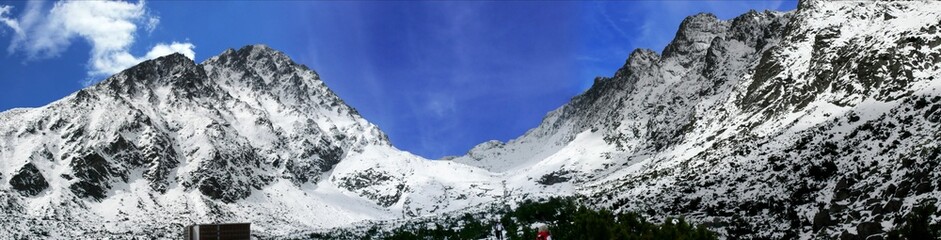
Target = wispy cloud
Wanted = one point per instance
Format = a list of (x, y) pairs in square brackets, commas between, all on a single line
[(108, 26), (440, 105), (4, 12), (588, 58), (611, 23)]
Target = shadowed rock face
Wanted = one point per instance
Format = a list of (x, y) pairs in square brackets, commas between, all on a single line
[(94, 175), (28, 181)]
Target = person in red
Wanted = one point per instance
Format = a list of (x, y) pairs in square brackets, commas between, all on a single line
[(543, 233)]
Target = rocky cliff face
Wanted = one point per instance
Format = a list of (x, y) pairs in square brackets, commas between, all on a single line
[(814, 123), (811, 135)]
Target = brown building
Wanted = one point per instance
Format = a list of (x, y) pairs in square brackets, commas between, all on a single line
[(222, 231)]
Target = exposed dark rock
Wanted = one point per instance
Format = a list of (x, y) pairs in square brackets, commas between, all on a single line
[(221, 189), (29, 181), (123, 151), (364, 179), (866, 229), (846, 235), (763, 87), (94, 176), (362, 182), (876, 208), (552, 178), (822, 219), (893, 205), (238, 176)]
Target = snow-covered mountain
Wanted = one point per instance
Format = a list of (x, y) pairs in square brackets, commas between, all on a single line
[(816, 123), (819, 122), (246, 136)]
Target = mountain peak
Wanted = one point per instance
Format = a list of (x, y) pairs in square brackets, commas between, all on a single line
[(170, 59), (639, 58), (695, 34), (259, 50), (175, 55), (252, 56), (259, 47), (170, 68)]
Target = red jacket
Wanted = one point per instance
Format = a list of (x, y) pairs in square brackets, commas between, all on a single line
[(542, 236)]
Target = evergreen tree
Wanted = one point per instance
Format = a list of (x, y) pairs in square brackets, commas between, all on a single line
[(565, 217)]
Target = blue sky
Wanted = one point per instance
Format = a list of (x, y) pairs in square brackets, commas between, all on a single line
[(438, 77)]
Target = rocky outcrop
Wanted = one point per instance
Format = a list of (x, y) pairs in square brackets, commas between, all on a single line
[(28, 181)]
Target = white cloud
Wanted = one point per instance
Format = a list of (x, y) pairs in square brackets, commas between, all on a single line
[(114, 62), (166, 49), (108, 26), (4, 11)]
